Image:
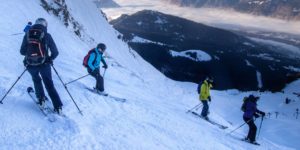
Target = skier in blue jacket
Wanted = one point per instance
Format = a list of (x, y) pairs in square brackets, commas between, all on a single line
[(27, 27), (93, 67)]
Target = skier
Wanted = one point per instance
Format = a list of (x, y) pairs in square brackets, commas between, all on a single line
[(93, 66), (204, 96), (250, 112), (35, 47), (27, 27)]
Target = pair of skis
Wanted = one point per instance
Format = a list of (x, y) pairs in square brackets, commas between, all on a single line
[(221, 127), (118, 99), (210, 121), (47, 111)]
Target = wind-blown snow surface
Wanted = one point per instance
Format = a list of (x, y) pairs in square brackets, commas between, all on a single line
[(153, 117)]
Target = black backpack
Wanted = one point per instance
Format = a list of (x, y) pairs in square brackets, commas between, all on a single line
[(245, 100), (36, 53)]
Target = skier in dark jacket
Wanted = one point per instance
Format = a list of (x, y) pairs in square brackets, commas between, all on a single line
[(43, 71), (93, 67), (28, 26), (250, 112)]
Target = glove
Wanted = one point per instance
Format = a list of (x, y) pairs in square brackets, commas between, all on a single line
[(209, 98), (49, 61), (256, 115), (263, 114), (105, 66)]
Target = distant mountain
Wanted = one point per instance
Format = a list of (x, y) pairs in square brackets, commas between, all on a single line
[(187, 51), (286, 9), (106, 4)]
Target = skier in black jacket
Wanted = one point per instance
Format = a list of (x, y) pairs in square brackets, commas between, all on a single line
[(42, 70)]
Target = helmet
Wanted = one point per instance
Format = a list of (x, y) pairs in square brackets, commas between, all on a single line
[(254, 98), (30, 23), (41, 21), (209, 79), (101, 46)]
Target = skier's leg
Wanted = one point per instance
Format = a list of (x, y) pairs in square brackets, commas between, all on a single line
[(252, 132), (95, 76), (100, 83), (205, 108), (37, 82), (47, 78), (247, 121)]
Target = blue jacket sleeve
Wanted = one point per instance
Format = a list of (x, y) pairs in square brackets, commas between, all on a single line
[(23, 49), (90, 61), (52, 46), (26, 28), (103, 61)]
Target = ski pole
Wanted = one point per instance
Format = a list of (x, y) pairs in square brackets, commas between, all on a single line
[(66, 89), (199, 105), (239, 126), (262, 118), (77, 79), (13, 85), (104, 73), (16, 33)]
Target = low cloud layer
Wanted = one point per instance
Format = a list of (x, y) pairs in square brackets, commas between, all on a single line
[(214, 17)]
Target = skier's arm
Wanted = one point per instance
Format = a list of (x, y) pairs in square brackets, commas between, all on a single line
[(104, 63), (260, 112), (90, 61), (203, 92), (52, 46)]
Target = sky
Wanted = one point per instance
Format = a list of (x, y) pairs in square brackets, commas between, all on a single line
[(154, 115), (215, 17)]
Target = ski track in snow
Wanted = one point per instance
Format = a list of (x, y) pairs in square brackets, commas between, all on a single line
[(153, 117)]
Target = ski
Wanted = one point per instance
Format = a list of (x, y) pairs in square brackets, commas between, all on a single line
[(117, 98), (247, 141), (210, 121), (46, 111), (297, 94), (108, 95)]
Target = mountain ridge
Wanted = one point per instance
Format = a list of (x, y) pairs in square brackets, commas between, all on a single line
[(230, 52)]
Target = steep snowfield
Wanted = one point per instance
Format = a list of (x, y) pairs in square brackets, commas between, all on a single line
[(152, 118)]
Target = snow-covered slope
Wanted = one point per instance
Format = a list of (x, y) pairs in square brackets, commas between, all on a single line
[(152, 118)]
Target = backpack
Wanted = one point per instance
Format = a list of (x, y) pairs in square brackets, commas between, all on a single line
[(199, 87), (245, 100), (86, 58), (36, 53)]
